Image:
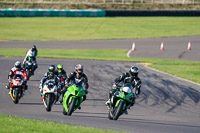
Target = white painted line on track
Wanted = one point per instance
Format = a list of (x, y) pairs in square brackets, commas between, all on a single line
[(170, 75), (128, 54)]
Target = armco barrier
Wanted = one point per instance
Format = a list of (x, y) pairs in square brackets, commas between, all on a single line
[(50, 13), (93, 13), (125, 13)]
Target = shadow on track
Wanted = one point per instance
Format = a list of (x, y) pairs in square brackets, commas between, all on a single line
[(32, 103), (143, 121), (162, 91)]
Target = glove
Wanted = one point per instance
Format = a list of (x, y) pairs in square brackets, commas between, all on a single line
[(66, 84), (40, 86), (86, 91), (25, 81), (114, 86), (9, 80)]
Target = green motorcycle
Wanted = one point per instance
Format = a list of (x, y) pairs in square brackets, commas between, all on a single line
[(73, 97), (120, 101)]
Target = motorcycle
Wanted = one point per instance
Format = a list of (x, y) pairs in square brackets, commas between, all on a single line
[(49, 95), (29, 68), (17, 88), (73, 97), (121, 100)]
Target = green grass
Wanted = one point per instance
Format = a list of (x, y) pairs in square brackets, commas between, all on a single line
[(97, 28), (185, 69), (14, 124)]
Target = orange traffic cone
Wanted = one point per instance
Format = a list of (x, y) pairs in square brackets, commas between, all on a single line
[(162, 46), (189, 46), (133, 46)]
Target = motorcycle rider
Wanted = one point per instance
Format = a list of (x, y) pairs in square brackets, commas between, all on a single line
[(30, 59), (61, 73), (134, 81), (17, 69), (31, 54), (77, 74), (48, 76)]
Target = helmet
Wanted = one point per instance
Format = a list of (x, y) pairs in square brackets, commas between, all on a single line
[(34, 47), (134, 71), (51, 71), (79, 69), (17, 65), (51, 68), (59, 68)]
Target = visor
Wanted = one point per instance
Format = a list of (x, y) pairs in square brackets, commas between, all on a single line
[(59, 70)]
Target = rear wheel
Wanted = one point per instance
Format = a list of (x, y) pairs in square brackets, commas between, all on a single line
[(118, 111), (72, 106)]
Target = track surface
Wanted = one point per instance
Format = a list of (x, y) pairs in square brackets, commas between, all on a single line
[(167, 104), (174, 48)]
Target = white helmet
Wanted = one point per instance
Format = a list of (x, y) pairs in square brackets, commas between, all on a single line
[(17, 65)]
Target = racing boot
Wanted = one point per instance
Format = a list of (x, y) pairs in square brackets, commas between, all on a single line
[(26, 87), (108, 104), (41, 91), (126, 112), (7, 86)]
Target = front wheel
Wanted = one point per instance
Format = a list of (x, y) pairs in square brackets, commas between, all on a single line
[(64, 112), (49, 102), (16, 96), (72, 106), (118, 111), (110, 115), (28, 74)]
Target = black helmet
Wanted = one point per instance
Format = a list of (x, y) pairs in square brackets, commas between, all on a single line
[(134, 71), (17, 65), (51, 68), (79, 69), (34, 47), (51, 71)]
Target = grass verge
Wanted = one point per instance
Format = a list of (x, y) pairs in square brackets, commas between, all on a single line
[(10, 124), (185, 69), (62, 28)]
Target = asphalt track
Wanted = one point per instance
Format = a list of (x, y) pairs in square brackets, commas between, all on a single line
[(166, 105), (174, 48)]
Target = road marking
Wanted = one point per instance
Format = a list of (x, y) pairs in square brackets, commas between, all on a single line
[(128, 54)]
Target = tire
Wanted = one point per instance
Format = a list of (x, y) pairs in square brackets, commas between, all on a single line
[(118, 111), (49, 102), (64, 112), (28, 74), (72, 106), (110, 115), (16, 94)]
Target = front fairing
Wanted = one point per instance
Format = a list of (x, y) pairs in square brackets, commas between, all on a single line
[(49, 89), (73, 91), (123, 94), (17, 81)]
